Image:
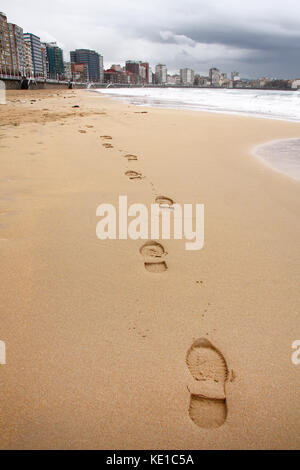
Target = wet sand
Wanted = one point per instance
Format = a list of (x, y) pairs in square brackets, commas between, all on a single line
[(104, 353)]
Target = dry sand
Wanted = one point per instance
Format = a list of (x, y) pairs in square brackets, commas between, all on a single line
[(100, 351)]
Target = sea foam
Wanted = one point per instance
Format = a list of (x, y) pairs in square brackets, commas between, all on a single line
[(276, 104)]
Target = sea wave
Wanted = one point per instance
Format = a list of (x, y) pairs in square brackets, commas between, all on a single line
[(283, 105)]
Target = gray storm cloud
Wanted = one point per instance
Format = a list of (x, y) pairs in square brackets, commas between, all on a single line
[(255, 37)]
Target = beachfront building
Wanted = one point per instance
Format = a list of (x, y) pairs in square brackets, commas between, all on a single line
[(101, 68), (17, 49), (161, 74), (133, 68), (214, 77), (55, 61), (113, 75), (117, 67), (173, 79), (28, 60), (6, 63), (36, 53), (144, 72), (68, 71), (138, 71), (235, 76), (44, 59), (224, 81), (200, 80), (187, 76), (150, 75), (295, 84), (80, 72), (89, 58)]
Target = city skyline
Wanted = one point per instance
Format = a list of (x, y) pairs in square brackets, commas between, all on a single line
[(258, 39)]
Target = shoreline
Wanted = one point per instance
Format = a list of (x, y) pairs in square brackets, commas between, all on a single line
[(253, 152), (263, 159), (127, 99), (97, 346)]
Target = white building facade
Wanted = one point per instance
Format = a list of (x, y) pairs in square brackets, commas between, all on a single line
[(187, 76), (161, 74)]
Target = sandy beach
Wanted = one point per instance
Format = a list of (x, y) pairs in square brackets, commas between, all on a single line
[(101, 353)]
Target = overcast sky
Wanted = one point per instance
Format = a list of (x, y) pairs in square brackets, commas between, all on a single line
[(254, 37)]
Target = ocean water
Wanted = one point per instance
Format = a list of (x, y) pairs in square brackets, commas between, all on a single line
[(263, 103), (283, 156)]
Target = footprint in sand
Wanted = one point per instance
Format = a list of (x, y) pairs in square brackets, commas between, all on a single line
[(153, 253), (106, 137), (82, 131), (207, 365), (164, 202), (134, 175), (130, 157), (108, 146)]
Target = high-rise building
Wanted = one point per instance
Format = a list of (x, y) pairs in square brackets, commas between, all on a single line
[(17, 48), (150, 75), (101, 68), (187, 76), (91, 59), (146, 67), (132, 67), (36, 53), (55, 61), (28, 60), (214, 76), (6, 63), (161, 74), (44, 59), (142, 74)]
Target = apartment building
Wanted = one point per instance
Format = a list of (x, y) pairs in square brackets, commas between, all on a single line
[(68, 71), (89, 58), (161, 74), (17, 48), (174, 79), (101, 68), (36, 53), (80, 72), (55, 61), (146, 72), (6, 63), (214, 76), (28, 60), (187, 76), (44, 59), (132, 67)]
